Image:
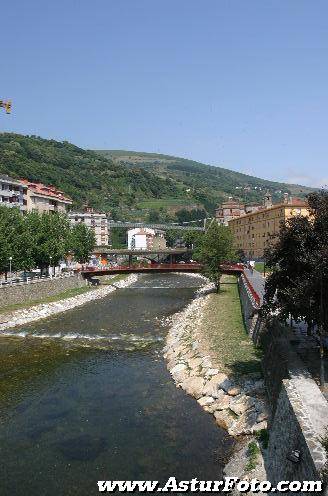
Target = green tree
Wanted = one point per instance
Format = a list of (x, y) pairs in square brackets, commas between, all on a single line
[(49, 235), (298, 258), (11, 236), (82, 242), (214, 249)]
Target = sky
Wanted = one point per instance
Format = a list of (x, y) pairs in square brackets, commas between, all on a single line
[(241, 84)]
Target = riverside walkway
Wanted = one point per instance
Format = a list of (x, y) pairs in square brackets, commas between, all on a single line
[(257, 282)]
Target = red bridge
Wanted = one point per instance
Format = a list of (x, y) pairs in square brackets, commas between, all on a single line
[(89, 272)]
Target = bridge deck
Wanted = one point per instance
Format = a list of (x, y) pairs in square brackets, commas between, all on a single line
[(126, 269)]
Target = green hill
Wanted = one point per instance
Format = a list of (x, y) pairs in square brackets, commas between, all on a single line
[(131, 185), (204, 185)]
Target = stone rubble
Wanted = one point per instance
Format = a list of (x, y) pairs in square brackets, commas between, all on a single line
[(239, 406), (45, 310)]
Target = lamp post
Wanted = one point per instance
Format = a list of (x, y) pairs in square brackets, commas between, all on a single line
[(50, 258), (10, 275)]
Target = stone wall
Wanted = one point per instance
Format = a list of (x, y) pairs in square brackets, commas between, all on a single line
[(299, 423), (26, 293), (299, 410)]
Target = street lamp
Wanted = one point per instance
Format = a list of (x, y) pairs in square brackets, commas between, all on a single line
[(50, 258), (10, 275)]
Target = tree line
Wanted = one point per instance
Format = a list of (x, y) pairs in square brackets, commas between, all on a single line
[(38, 240)]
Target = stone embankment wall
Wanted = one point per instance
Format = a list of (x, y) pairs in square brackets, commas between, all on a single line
[(26, 293), (300, 411)]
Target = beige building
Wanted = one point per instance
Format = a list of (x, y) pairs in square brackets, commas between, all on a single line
[(42, 198), (229, 210), (96, 221), (253, 231), (13, 193), (232, 209)]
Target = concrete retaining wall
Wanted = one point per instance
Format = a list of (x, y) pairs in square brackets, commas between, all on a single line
[(10, 295)]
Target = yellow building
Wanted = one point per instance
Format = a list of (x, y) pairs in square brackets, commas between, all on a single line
[(252, 232)]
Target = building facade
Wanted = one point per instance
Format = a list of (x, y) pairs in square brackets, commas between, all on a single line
[(229, 210), (45, 199), (145, 238), (233, 208), (13, 193), (98, 222), (252, 232)]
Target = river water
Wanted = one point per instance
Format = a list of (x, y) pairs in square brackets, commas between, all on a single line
[(86, 396)]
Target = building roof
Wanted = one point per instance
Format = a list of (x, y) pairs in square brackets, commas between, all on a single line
[(294, 203), (5, 177), (43, 190)]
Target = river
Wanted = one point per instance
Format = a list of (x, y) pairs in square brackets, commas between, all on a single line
[(86, 396)]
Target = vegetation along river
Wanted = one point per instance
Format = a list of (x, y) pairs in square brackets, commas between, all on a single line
[(86, 396)]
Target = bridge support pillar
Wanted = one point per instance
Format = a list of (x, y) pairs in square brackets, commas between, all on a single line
[(171, 259)]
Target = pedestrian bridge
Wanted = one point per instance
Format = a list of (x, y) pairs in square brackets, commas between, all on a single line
[(89, 272)]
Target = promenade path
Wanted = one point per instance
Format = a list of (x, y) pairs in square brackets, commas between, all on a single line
[(257, 281)]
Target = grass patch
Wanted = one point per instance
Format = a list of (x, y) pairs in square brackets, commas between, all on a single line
[(253, 452), (224, 329), (263, 437), (259, 266)]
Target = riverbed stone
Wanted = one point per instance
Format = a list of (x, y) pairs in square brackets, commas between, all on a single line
[(194, 386), (205, 400), (211, 372), (234, 391), (180, 373), (213, 386), (241, 404), (224, 419), (194, 363)]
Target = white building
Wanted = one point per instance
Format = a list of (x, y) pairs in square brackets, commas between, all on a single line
[(144, 238), (13, 193), (96, 221)]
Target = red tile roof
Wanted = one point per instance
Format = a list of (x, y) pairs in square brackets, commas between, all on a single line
[(43, 190)]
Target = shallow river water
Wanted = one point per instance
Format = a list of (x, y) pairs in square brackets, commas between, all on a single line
[(86, 396)]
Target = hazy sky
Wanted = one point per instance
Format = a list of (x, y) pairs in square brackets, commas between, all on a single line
[(238, 83)]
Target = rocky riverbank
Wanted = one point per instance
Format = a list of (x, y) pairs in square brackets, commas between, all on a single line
[(45, 310), (237, 403)]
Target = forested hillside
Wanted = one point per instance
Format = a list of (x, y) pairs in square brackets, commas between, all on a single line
[(131, 185), (84, 175), (206, 184)]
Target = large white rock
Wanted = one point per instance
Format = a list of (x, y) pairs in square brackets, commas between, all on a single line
[(193, 386), (205, 400)]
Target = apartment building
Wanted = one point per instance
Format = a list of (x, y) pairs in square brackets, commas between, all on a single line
[(253, 231), (93, 220), (13, 193), (42, 198)]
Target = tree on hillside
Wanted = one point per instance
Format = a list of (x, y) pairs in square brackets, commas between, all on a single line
[(215, 248), (82, 242), (298, 258)]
